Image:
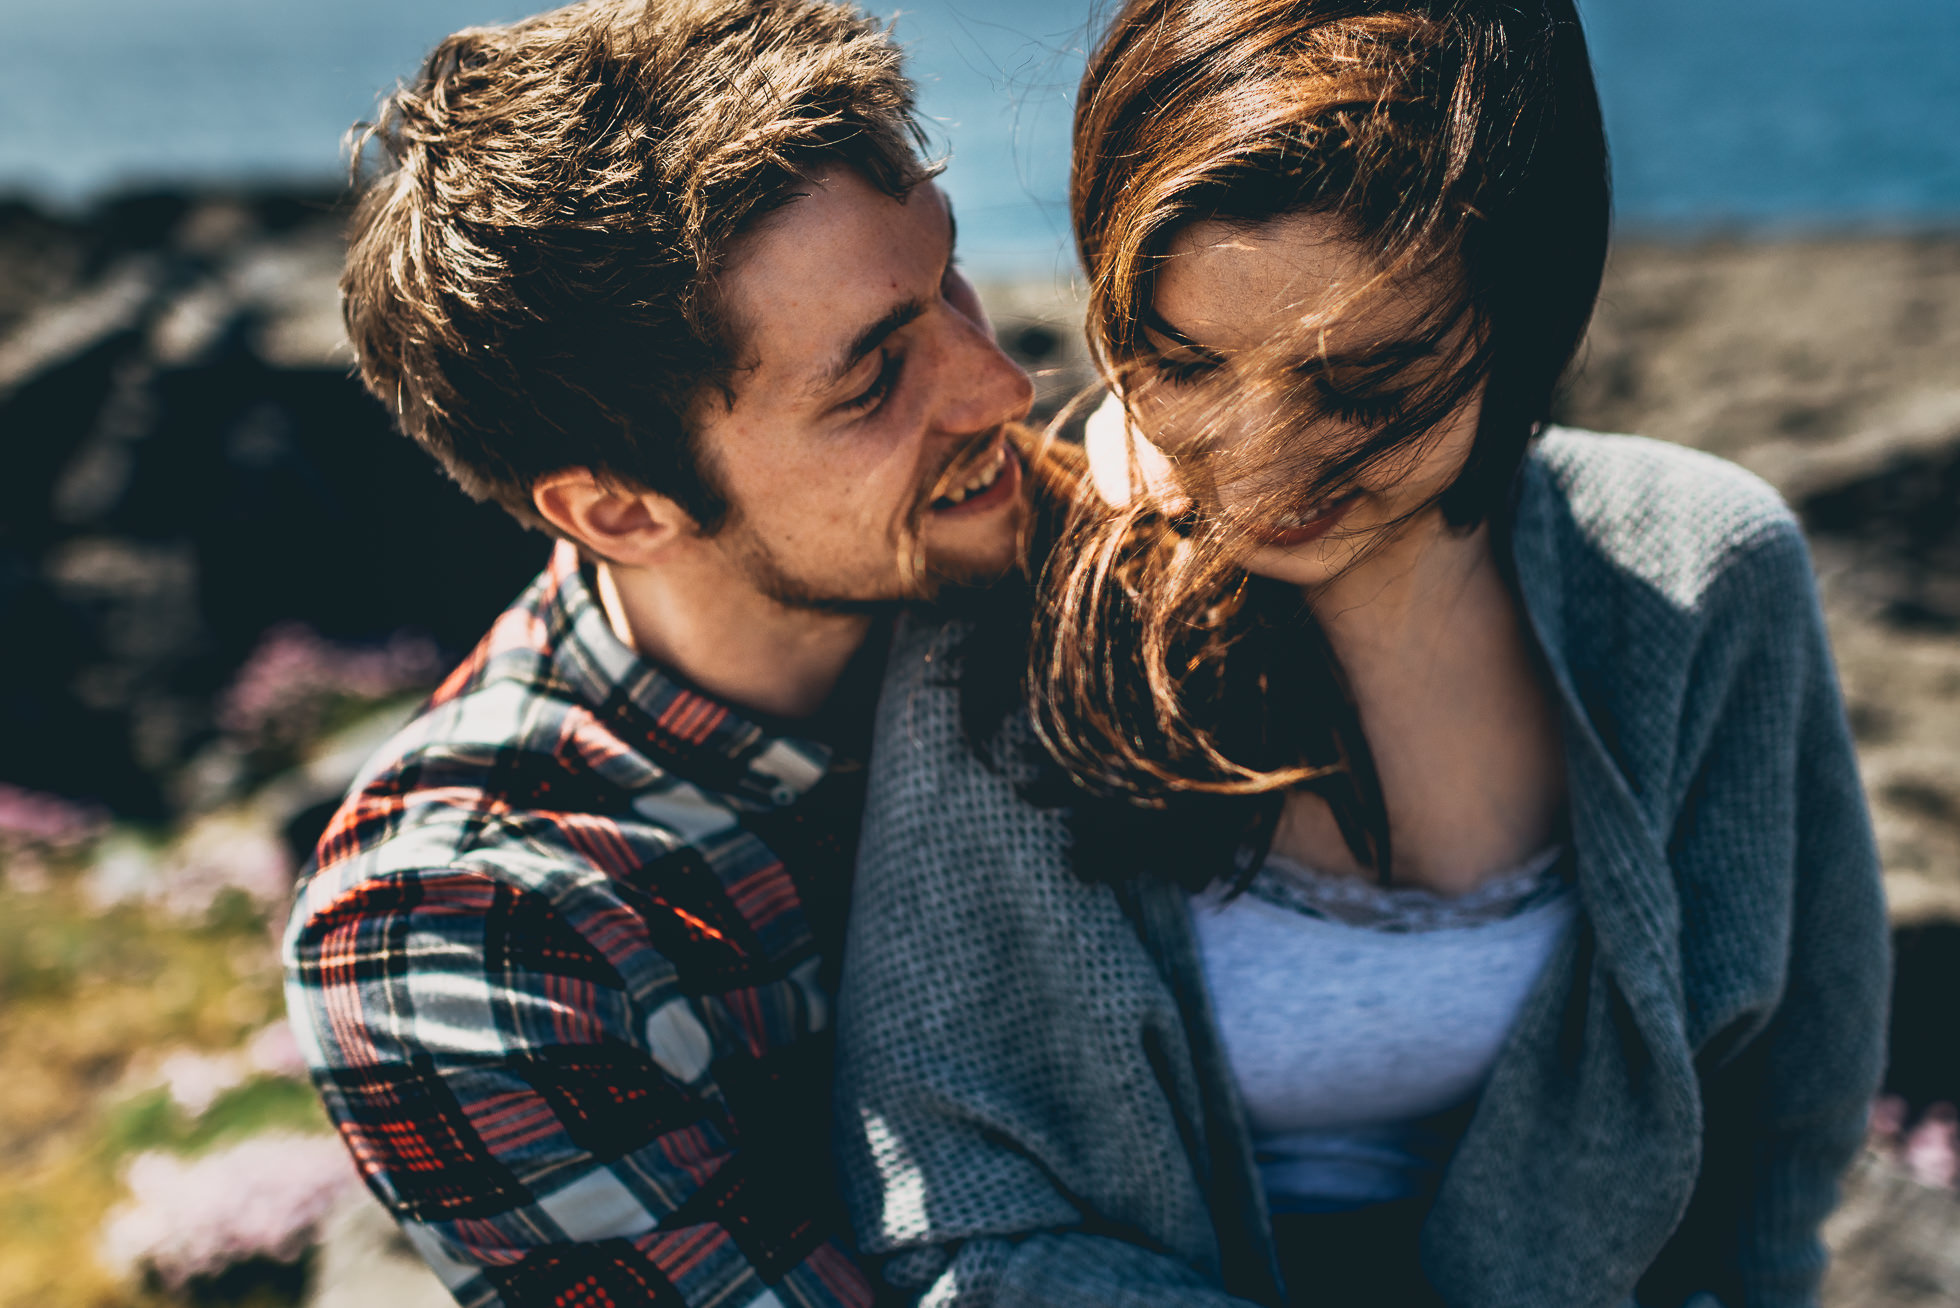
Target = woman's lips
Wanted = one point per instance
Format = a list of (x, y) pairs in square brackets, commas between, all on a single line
[(1311, 529)]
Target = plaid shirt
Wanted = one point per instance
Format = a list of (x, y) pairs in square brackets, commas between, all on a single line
[(563, 972)]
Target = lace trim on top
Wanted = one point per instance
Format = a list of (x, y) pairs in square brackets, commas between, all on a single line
[(1354, 902)]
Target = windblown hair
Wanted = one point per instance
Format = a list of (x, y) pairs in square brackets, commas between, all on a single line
[(1458, 143), (530, 280)]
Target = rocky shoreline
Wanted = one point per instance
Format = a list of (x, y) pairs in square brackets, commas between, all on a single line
[(190, 466)]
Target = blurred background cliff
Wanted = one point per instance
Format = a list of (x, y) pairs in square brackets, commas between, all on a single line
[(223, 579)]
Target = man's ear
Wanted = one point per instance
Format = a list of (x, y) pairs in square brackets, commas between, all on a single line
[(614, 522)]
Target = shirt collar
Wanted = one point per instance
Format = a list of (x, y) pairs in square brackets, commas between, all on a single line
[(684, 729)]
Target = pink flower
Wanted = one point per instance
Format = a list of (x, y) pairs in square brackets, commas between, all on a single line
[(1887, 1123), (192, 1218), (224, 852), (1932, 1150), (229, 850), (282, 687), (196, 1080), (29, 817)]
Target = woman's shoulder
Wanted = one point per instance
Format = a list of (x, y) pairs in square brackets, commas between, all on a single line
[(1674, 518)]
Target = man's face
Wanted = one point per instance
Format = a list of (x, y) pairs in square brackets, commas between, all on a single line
[(863, 456)]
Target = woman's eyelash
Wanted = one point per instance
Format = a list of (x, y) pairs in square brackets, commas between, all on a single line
[(880, 387), (1179, 371), (1350, 406)]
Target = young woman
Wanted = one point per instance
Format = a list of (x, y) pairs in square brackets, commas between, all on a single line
[(1465, 893)]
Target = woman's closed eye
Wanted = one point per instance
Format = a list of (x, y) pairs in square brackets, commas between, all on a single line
[(1359, 407), (1181, 369)]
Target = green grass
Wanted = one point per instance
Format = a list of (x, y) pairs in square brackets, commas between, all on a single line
[(86, 997), (151, 1121)]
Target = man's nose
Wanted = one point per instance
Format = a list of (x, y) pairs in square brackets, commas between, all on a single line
[(980, 387)]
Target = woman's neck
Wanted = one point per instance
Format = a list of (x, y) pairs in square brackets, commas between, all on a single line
[(1410, 601), (1455, 706)]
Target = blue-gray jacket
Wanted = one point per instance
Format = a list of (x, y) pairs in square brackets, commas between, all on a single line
[(1032, 1107)]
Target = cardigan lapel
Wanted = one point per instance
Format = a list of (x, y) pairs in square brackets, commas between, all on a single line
[(1625, 881), (1585, 1144)]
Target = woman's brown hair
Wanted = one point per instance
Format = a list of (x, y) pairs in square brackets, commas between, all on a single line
[(1459, 142)]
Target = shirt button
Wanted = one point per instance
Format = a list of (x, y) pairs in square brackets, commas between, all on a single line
[(783, 796)]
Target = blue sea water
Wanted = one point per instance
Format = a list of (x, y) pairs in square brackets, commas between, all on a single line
[(1724, 113)]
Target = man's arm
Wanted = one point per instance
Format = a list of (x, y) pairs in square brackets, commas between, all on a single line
[(543, 1137)]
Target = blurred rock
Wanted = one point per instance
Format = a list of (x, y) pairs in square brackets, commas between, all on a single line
[(1925, 1065), (1742, 347), (1895, 1243), (40, 260), (59, 330), (191, 463)]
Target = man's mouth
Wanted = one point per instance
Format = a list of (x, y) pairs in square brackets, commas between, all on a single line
[(988, 480)]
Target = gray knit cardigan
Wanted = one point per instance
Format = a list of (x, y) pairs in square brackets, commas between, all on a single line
[(1032, 1107)]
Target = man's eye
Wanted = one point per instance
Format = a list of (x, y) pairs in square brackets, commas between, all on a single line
[(881, 385)]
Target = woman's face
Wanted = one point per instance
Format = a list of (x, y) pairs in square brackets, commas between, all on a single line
[(1244, 366)]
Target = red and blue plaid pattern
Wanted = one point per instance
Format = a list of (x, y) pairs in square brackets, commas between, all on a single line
[(563, 969)]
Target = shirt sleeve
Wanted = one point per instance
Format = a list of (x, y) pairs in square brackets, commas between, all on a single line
[(543, 1138)]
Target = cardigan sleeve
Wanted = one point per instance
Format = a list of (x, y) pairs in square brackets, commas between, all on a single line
[(1786, 1107), (1825, 1048)]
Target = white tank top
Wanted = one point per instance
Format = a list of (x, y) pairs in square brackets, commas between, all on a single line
[(1356, 1018)]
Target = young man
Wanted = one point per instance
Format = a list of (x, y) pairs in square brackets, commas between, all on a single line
[(668, 280)]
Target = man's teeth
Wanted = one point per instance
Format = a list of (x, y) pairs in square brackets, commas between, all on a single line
[(981, 480)]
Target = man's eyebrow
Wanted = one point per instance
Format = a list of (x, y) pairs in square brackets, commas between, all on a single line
[(873, 336)]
